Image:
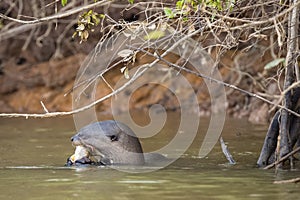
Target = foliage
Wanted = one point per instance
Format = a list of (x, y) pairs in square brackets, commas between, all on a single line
[(153, 35), (131, 1), (183, 9), (186, 7), (274, 63), (64, 2), (86, 22)]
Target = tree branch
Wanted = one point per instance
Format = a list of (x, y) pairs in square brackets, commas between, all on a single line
[(137, 74), (256, 23), (58, 15), (283, 158), (285, 118), (294, 180), (222, 83), (29, 24)]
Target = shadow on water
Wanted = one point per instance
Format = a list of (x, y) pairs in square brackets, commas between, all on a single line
[(33, 153)]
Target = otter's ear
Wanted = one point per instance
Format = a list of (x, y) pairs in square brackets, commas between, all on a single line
[(113, 138)]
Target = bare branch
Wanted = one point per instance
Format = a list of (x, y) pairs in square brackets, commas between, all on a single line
[(256, 23), (58, 15), (30, 24), (44, 107), (294, 180), (283, 158), (138, 74), (220, 24), (223, 83)]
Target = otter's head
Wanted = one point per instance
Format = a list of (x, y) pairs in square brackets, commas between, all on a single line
[(110, 142)]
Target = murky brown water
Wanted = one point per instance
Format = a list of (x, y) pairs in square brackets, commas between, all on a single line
[(33, 153)]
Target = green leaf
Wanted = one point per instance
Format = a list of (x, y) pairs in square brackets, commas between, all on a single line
[(179, 4), (64, 2), (90, 12), (131, 1), (169, 12), (95, 19), (274, 63), (101, 16), (154, 35)]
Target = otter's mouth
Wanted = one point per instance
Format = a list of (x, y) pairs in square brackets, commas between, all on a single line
[(83, 156)]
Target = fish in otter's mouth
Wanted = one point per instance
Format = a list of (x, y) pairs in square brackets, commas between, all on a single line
[(83, 156), (80, 156)]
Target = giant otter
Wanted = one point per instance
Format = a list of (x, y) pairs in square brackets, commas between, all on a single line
[(108, 143)]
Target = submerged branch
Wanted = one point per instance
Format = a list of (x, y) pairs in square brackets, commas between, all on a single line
[(294, 180), (226, 152), (270, 142), (283, 158)]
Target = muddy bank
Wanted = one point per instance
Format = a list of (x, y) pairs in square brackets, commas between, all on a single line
[(24, 85)]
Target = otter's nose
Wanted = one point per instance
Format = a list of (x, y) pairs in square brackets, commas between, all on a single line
[(75, 140)]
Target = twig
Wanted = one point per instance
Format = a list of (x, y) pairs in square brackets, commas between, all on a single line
[(283, 158), (294, 180), (27, 25), (283, 93), (58, 15), (44, 107), (31, 23), (137, 74), (221, 83), (256, 23), (226, 152)]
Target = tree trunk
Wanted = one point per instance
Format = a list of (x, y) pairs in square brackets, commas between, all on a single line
[(283, 132)]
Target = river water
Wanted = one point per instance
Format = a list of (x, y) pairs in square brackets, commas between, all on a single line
[(33, 153)]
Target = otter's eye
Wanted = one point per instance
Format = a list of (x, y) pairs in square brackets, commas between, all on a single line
[(113, 138)]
